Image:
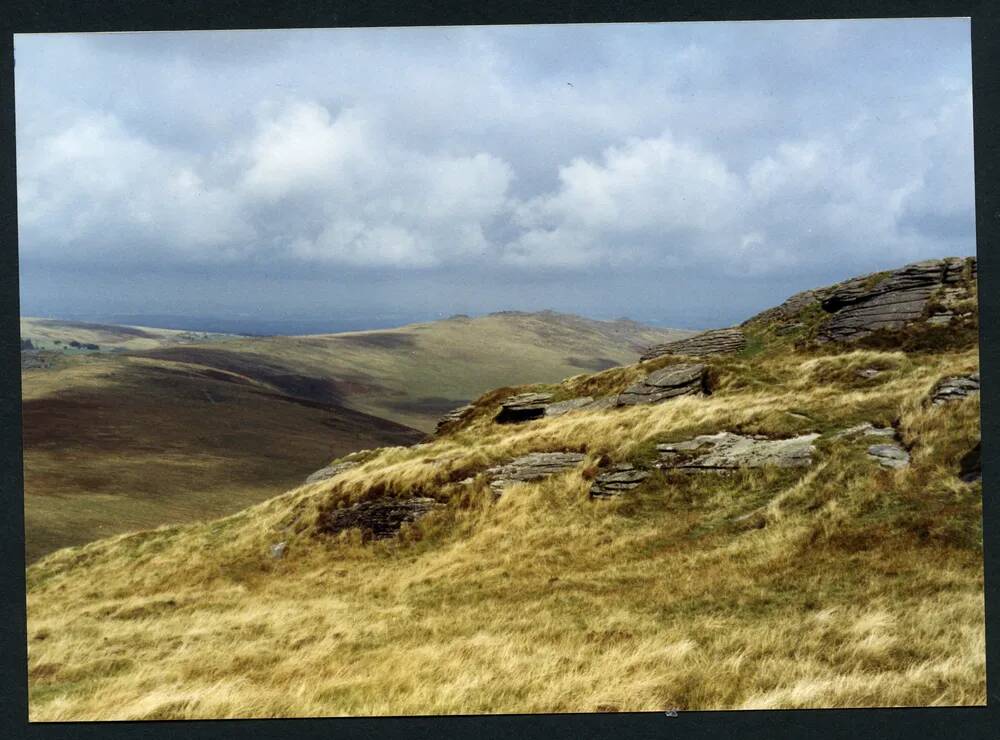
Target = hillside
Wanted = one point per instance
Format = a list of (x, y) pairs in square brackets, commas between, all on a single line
[(129, 428), (790, 517)]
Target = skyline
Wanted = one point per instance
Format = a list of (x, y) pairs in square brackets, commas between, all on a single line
[(682, 175)]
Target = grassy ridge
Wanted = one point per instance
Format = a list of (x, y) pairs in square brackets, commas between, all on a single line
[(843, 585)]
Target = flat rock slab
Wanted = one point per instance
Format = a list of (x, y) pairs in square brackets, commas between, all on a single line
[(453, 417), (866, 429), (564, 407), (532, 467), (331, 470), (955, 388), (617, 480), (670, 382), (714, 342), (377, 519), (889, 456), (728, 451), (523, 407)]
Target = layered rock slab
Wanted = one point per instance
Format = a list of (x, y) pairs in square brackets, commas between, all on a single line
[(954, 388), (617, 480), (377, 519), (523, 407), (532, 467), (330, 471), (714, 342), (669, 382), (729, 451)]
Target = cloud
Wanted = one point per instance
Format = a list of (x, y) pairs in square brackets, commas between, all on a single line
[(694, 152)]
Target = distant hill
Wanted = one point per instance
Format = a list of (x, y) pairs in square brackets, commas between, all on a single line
[(133, 427)]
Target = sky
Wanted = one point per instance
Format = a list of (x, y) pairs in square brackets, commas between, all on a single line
[(680, 174)]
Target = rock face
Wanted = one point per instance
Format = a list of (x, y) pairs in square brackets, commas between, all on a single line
[(714, 342), (564, 407), (523, 407), (728, 451), (954, 388), (865, 305), (617, 480), (670, 382), (331, 470), (453, 417), (377, 519), (532, 467), (889, 456)]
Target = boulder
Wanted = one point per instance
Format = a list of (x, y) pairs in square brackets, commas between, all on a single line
[(669, 382), (532, 467), (331, 470), (616, 480), (452, 418), (866, 304), (278, 550), (954, 388), (523, 407), (716, 341), (377, 519), (889, 455), (729, 451)]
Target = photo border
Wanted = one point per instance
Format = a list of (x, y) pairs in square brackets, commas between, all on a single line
[(24, 16)]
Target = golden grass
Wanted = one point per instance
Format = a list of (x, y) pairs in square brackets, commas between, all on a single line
[(850, 585)]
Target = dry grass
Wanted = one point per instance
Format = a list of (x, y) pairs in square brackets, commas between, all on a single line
[(848, 585)]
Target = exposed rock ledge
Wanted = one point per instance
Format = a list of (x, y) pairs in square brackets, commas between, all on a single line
[(670, 382), (331, 470), (714, 342), (377, 519), (954, 388), (532, 467), (729, 451)]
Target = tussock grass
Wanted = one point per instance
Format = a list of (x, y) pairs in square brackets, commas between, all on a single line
[(840, 585)]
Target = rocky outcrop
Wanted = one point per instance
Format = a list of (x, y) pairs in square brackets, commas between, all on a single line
[(452, 418), (616, 480), (377, 519), (864, 305), (672, 381), (523, 407), (714, 342), (532, 467), (331, 470), (866, 429), (729, 451), (564, 407), (889, 455), (954, 388)]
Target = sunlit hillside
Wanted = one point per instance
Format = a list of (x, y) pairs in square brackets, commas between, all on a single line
[(851, 578)]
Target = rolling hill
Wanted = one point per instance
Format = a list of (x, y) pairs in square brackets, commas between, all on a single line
[(784, 514), (128, 428)]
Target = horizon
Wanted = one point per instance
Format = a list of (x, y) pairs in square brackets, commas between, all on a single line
[(269, 176)]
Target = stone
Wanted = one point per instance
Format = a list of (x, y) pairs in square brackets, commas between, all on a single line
[(868, 373), (669, 382), (954, 388), (617, 480), (716, 341), (331, 470), (532, 467), (971, 465), (889, 455), (523, 407), (796, 304), (278, 551), (377, 519), (452, 418), (866, 429), (729, 451), (564, 407), (866, 304)]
